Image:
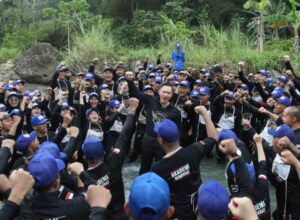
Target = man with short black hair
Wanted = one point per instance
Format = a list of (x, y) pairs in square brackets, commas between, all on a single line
[(180, 166)]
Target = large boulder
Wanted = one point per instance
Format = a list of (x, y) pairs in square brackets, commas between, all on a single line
[(7, 71), (37, 64)]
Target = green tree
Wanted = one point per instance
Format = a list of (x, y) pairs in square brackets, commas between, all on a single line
[(73, 16), (260, 8), (294, 18)]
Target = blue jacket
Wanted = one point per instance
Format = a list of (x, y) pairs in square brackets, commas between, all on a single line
[(178, 58)]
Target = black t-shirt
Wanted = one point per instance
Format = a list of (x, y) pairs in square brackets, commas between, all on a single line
[(182, 168), (182, 172), (297, 138)]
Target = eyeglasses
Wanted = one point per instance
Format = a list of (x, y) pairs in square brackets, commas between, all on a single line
[(202, 94)]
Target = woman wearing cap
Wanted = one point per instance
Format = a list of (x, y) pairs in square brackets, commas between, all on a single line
[(113, 117), (12, 101)]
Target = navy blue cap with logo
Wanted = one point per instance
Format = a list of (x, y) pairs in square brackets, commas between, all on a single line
[(284, 101), (93, 94), (62, 68), (167, 130), (200, 82), (226, 134), (194, 93), (90, 110), (24, 140), (65, 106), (282, 131), (283, 79), (51, 148), (147, 87), (185, 84), (103, 86), (213, 199), (204, 91), (149, 191), (93, 149), (230, 95), (18, 81), (44, 168), (38, 120), (89, 76), (114, 103)]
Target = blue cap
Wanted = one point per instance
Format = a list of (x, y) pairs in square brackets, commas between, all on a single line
[(184, 83), (147, 87), (250, 168), (204, 70), (178, 45), (200, 82), (167, 130), (114, 103), (194, 93), (152, 192), (89, 76), (93, 94), (213, 200), (35, 105), (107, 68), (174, 83), (38, 120), (122, 78), (24, 140), (226, 134), (44, 168), (80, 74), (230, 95), (2, 107), (244, 87), (158, 80), (263, 73), (103, 86), (65, 105), (150, 67), (151, 75), (14, 112), (269, 81), (13, 94), (62, 68), (140, 67), (18, 81), (51, 148), (283, 79), (9, 87), (90, 110), (279, 88), (93, 149), (276, 94), (282, 131), (204, 91), (284, 101)]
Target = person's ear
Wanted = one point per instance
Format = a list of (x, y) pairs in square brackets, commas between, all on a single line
[(160, 140), (170, 212), (127, 209), (56, 183)]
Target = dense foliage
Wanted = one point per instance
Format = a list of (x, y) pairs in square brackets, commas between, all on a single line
[(211, 31)]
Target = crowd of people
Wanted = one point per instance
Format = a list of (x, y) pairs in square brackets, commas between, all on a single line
[(63, 149)]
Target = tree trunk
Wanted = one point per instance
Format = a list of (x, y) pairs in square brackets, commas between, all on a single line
[(261, 34), (296, 41)]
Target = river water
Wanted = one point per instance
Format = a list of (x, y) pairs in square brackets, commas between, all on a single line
[(210, 169)]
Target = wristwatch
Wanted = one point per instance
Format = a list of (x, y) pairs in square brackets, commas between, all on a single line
[(238, 153)]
